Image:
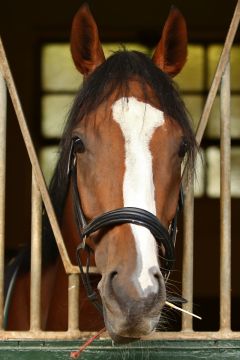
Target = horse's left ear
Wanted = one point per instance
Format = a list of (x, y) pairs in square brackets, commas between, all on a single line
[(87, 52), (171, 52)]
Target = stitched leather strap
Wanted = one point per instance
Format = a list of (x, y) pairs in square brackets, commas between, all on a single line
[(134, 216)]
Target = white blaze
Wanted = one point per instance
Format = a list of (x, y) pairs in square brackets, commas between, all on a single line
[(138, 122)]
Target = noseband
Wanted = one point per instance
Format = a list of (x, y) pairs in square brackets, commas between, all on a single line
[(125, 215)]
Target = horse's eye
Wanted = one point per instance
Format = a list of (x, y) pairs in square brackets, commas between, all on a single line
[(79, 146), (184, 147)]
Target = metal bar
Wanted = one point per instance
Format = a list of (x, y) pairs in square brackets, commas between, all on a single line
[(69, 268), (195, 335), (187, 277), (45, 335), (188, 218), (77, 334), (216, 81), (36, 258), (3, 121), (219, 72), (225, 229), (73, 302), (225, 204)]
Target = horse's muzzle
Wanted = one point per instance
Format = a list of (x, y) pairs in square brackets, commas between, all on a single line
[(128, 316)]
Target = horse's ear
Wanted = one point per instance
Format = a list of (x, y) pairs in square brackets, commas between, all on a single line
[(86, 48), (171, 52)]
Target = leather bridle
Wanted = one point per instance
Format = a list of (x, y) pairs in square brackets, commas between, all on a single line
[(125, 215)]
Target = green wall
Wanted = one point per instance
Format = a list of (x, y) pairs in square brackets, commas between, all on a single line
[(151, 350)]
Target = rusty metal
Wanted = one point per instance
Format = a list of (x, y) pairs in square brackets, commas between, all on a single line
[(69, 268), (187, 277), (77, 334), (219, 73), (225, 203), (73, 291), (36, 258), (3, 111), (73, 302)]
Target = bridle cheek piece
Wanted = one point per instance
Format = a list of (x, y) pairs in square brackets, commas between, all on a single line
[(125, 215)]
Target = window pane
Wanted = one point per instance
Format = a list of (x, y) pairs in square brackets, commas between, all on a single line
[(213, 55), (48, 159), (192, 75), (58, 70), (235, 172), (235, 68), (214, 52), (213, 171), (194, 105), (55, 109), (235, 116), (110, 48), (213, 127)]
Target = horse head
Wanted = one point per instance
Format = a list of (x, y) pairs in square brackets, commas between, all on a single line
[(133, 134)]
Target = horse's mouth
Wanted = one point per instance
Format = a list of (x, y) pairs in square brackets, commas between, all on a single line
[(121, 340), (124, 332)]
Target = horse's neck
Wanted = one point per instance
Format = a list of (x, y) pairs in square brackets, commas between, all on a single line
[(89, 318)]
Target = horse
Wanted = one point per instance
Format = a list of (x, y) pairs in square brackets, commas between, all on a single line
[(116, 185)]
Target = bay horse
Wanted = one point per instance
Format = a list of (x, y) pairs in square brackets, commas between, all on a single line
[(116, 186)]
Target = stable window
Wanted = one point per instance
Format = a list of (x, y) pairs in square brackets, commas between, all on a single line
[(60, 82)]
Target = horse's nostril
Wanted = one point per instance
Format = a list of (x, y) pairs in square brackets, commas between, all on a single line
[(113, 274), (156, 276)]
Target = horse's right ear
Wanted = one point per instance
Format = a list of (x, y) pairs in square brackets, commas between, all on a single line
[(86, 48), (171, 52)]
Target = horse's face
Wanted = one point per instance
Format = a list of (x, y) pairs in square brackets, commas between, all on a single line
[(131, 159)]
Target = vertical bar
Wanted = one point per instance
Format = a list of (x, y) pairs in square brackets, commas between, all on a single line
[(187, 278), (225, 204), (34, 161), (36, 258), (73, 302), (3, 121), (218, 74)]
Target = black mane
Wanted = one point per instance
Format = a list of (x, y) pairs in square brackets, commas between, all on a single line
[(113, 74)]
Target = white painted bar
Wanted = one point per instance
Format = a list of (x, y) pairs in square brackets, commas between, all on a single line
[(36, 258), (187, 277), (3, 121), (73, 302), (73, 320), (34, 161), (76, 334), (225, 204), (219, 73)]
